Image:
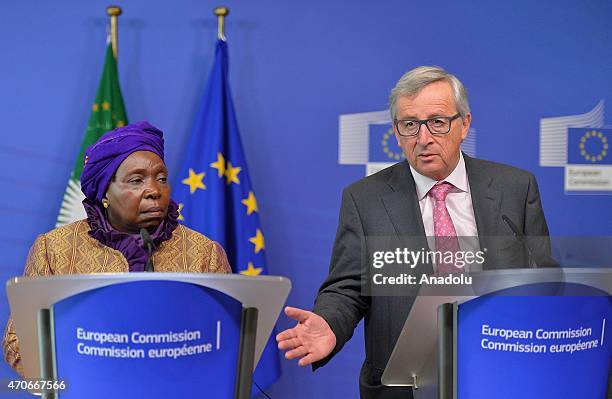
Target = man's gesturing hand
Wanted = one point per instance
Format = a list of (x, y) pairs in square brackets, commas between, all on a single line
[(310, 340)]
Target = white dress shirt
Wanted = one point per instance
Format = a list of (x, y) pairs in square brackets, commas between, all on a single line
[(458, 203)]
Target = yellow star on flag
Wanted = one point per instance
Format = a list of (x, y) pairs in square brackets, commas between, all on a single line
[(258, 241), (180, 208), (105, 105), (251, 203), (219, 165), (194, 181), (231, 173), (252, 270)]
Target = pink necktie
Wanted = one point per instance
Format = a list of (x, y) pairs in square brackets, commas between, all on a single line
[(444, 229)]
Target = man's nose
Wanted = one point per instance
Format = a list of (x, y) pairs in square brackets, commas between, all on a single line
[(424, 136)]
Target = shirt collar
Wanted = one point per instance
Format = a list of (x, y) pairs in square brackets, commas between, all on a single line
[(457, 178)]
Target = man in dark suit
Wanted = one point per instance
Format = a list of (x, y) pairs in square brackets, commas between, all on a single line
[(438, 193)]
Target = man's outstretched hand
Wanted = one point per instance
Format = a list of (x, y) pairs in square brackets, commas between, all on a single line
[(310, 340)]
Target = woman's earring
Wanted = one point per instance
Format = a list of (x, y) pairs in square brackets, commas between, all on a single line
[(105, 203)]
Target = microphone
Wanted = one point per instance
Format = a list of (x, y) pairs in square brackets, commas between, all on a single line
[(510, 224), (521, 238), (148, 243), (540, 261)]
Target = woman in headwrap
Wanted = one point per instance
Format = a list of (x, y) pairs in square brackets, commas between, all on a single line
[(125, 182)]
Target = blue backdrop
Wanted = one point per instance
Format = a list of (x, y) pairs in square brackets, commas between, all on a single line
[(294, 68)]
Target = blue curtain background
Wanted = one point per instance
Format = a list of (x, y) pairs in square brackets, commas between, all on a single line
[(296, 66)]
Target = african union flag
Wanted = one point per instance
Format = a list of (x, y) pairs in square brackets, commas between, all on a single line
[(107, 113), (214, 191)]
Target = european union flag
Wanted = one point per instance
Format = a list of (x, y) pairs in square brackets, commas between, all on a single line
[(590, 146), (214, 191)]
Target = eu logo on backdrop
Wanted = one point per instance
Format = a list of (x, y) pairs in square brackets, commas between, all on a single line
[(589, 146), (383, 144), (581, 145)]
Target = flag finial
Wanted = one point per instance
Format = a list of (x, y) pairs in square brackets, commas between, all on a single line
[(221, 13), (113, 12)]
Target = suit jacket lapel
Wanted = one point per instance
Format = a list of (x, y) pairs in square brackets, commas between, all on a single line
[(486, 201), (402, 204), (486, 198)]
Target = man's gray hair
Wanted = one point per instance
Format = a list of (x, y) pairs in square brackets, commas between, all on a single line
[(414, 80)]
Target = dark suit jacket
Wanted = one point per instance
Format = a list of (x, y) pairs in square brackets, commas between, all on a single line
[(386, 204)]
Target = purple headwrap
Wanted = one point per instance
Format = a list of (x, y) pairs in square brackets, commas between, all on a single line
[(101, 162), (104, 157)]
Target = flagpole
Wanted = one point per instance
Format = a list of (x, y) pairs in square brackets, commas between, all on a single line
[(221, 13), (113, 12)]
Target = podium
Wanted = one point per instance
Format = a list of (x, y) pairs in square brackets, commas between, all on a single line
[(145, 334), (529, 333)]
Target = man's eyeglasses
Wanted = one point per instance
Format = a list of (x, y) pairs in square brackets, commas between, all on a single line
[(437, 125)]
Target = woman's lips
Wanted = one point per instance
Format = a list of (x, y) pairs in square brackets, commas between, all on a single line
[(155, 211)]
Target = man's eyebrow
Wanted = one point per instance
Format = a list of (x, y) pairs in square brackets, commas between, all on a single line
[(430, 116)]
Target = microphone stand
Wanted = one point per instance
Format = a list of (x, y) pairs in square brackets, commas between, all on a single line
[(148, 243)]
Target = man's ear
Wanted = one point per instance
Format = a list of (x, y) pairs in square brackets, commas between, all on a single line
[(465, 126)]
